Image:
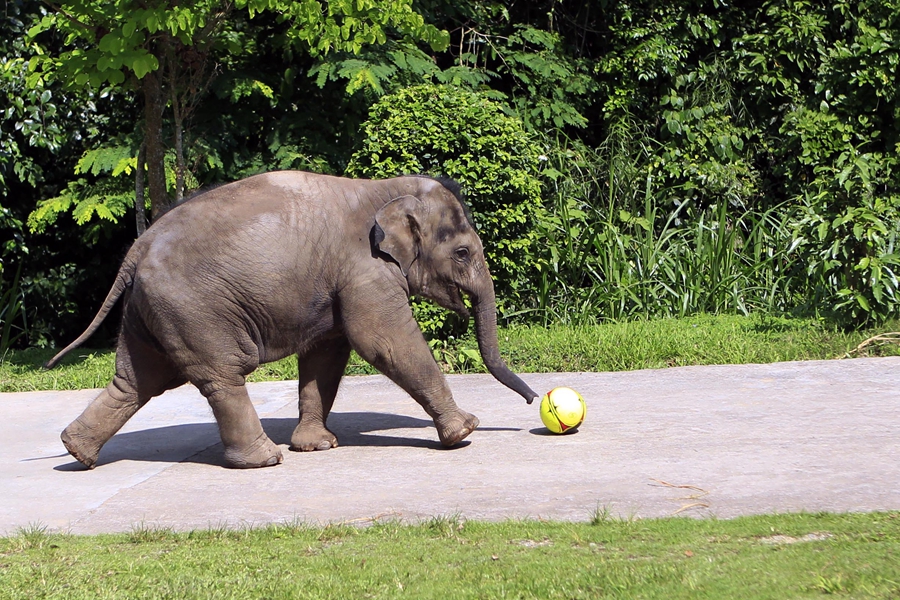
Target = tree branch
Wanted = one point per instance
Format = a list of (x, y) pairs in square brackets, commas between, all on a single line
[(70, 18)]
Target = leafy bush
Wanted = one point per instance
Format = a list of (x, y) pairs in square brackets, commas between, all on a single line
[(830, 71), (849, 237), (448, 131)]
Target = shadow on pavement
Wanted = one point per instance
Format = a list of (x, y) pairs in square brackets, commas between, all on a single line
[(543, 431), (200, 442)]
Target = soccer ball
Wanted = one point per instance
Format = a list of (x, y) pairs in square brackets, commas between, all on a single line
[(562, 409)]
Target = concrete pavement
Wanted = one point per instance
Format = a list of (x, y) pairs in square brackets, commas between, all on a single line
[(694, 441)]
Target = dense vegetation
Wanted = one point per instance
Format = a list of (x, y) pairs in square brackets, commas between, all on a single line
[(624, 159)]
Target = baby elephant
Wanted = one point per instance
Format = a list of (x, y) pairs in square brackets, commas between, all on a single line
[(292, 263)]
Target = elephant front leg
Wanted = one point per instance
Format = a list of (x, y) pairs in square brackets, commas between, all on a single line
[(320, 370), (393, 342)]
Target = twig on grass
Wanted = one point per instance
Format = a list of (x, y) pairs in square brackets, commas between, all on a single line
[(691, 497), (876, 340), (683, 487), (375, 519), (692, 505)]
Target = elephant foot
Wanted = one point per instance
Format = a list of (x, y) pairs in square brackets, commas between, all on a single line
[(82, 446), (453, 428), (307, 439), (262, 452)]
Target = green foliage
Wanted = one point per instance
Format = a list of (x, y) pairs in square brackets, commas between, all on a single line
[(702, 158), (648, 44), (84, 202), (44, 131), (851, 252), (612, 252), (452, 132), (117, 45), (348, 24), (124, 39), (686, 140), (549, 87), (390, 67), (13, 230), (789, 104), (457, 356), (104, 197), (29, 118), (12, 323), (104, 190), (832, 72)]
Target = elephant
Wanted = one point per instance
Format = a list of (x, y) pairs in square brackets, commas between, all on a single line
[(289, 262)]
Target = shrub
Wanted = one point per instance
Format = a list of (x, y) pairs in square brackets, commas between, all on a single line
[(448, 131)]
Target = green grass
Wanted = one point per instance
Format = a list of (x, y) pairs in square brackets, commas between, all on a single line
[(608, 347), (782, 556), (702, 340)]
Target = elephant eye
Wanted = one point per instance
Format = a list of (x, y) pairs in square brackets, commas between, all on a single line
[(462, 254)]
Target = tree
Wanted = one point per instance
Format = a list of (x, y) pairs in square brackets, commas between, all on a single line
[(163, 51)]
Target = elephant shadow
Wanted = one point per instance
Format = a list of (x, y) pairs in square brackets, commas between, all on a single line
[(200, 442), (358, 429)]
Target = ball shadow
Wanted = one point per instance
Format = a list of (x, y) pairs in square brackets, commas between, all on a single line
[(543, 431)]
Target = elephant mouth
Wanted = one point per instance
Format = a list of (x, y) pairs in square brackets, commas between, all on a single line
[(457, 304)]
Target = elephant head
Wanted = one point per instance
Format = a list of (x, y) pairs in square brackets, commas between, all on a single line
[(433, 240)]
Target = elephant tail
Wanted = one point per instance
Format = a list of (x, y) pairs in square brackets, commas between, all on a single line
[(124, 279)]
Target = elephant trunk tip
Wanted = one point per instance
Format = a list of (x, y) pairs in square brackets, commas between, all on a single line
[(486, 331), (501, 373)]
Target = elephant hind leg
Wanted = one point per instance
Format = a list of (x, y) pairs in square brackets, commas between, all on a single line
[(246, 444), (141, 374), (103, 417), (216, 360), (320, 370)]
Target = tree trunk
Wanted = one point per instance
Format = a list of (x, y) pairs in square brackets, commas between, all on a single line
[(179, 159), (140, 217), (154, 104), (178, 115)]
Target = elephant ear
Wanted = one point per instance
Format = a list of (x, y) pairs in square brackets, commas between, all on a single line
[(397, 231)]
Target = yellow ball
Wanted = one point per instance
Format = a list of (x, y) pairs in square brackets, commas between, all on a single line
[(562, 409)]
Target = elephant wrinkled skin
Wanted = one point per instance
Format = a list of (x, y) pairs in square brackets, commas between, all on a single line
[(292, 263)]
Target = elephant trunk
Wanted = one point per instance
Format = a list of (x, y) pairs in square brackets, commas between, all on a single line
[(485, 312)]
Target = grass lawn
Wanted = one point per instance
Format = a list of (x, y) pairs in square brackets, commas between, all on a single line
[(607, 347), (782, 556)]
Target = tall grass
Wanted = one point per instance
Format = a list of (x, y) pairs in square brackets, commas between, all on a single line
[(620, 246), (11, 310)]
